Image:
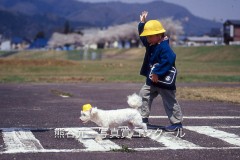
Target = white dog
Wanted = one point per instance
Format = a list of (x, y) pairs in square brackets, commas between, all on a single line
[(115, 118)]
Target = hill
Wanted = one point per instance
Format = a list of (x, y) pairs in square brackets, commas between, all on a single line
[(27, 17)]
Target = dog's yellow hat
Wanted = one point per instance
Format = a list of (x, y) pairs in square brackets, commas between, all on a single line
[(86, 107)]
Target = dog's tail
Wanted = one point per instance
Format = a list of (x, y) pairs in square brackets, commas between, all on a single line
[(134, 101)]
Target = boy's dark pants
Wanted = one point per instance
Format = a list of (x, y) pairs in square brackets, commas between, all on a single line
[(172, 108)]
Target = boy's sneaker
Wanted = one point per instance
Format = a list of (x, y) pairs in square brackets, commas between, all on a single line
[(173, 127)]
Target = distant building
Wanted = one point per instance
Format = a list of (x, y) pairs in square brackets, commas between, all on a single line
[(5, 45), (231, 32), (202, 41)]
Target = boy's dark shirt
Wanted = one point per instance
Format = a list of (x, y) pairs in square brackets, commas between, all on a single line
[(159, 53)]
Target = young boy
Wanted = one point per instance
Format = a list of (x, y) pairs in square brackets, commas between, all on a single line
[(160, 55)]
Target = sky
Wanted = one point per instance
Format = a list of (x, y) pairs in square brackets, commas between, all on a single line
[(218, 10)]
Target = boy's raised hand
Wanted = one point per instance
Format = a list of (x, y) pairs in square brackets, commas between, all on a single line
[(143, 16)]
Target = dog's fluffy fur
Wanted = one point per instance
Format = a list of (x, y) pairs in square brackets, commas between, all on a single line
[(115, 118)]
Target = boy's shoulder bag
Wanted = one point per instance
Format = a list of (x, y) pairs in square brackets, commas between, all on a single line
[(168, 79)]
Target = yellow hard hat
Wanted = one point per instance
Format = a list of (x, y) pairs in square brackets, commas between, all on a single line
[(152, 27), (86, 107)]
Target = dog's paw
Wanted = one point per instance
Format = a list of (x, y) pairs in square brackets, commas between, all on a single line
[(98, 138), (143, 134), (129, 137)]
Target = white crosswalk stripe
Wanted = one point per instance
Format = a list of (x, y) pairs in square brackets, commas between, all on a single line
[(172, 142), (17, 140), (87, 137), (200, 117), (210, 131), (20, 141)]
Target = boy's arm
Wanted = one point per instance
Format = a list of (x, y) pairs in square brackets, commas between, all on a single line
[(140, 30), (143, 19), (165, 61)]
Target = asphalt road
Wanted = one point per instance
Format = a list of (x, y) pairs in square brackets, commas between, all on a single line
[(38, 122)]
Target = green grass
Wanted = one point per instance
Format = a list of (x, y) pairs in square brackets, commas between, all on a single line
[(195, 64), (12, 79), (208, 64)]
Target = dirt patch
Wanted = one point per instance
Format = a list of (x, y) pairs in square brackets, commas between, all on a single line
[(34, 62), (133, 53), (71, 79), (222, 94), (61, 93)]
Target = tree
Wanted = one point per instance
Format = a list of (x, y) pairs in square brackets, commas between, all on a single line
[(174, 27), (40, 35)]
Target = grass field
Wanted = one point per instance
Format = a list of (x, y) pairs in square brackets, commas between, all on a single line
[(195, 64)]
